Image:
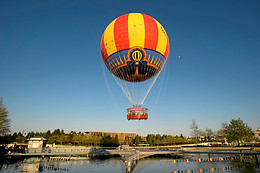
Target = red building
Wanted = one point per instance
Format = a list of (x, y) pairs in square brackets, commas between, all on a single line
[(122, 137)]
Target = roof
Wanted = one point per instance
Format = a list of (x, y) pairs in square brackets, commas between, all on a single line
[(37, 139), (109, 132)]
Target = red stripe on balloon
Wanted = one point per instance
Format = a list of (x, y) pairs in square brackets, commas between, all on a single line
[(121, 32), (166, 53), (151, 32), (103, 49)]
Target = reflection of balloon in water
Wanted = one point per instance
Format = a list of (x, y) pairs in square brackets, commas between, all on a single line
[(135, 48)]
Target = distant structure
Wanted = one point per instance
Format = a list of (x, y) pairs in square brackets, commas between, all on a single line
[(127, 137), (257, 134), (36, 144)]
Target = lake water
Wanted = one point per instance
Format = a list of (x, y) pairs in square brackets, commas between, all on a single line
[(148, 165)]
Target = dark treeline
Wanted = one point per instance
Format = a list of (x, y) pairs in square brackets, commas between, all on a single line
[(79, 138), (236, 133), (155, 140), (60, 137)]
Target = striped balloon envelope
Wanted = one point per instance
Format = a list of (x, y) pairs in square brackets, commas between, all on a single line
[(135, 47)]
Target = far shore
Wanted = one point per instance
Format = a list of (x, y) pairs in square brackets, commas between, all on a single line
[(183, 147)]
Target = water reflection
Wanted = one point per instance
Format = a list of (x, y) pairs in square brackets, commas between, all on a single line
[(161, 166), (148, 165), (41, 167), (31, 167)]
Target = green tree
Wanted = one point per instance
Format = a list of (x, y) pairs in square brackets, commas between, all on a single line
[(50, 140), (108, 141), (238, 131), (137, 140), (56, 132), (94, 140), (76, 139), (157, 140), (30, 135), (150, 139), (4, 119), (127, 140), (116, 140), (47, 135), (20, 138), (61, 139), (164, 140), (81, 139), (68, 137)]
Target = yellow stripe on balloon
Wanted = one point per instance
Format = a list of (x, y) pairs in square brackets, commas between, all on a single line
[(111, 64), (159, 65), (114, 63), (109, 40), (136, 30), (121, 60), (162, 39), (152, 60), (155, 61), (117, 61)]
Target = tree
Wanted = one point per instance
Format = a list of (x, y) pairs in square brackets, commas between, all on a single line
[(76, 139), (195, 132), (81, 138), (50, 140), (127, 140), (56, 132), (220, 134), (68, 138), (209, 134), (116, 140), (93, 139), (30, 135), (108, 141), (20, 138), (47, 135), (238, 131), (150, 139), (137, 140), (4, 119), (61, 139)]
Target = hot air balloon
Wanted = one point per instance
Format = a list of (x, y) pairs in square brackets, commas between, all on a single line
[(135, 48)]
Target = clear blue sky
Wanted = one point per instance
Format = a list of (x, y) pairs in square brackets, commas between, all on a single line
[(52, 76)]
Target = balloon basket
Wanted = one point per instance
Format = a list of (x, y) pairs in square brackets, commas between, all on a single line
[(137, 113)]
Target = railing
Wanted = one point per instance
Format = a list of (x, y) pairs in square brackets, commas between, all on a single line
[(60, 150)]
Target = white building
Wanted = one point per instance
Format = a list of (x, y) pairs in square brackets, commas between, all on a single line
[(257, 134), (36, 143)]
